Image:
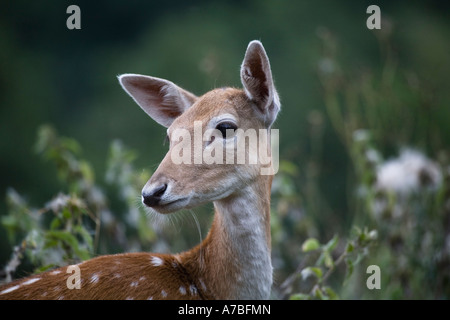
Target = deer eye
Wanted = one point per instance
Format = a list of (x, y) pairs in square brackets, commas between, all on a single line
[(224, 126)]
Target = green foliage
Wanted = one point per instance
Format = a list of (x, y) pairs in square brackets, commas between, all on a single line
[(67, 228), (313, 279), (404, 198), (399, 193), (121, 173), (64, 229)]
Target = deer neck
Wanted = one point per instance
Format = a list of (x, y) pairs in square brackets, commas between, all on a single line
[(234, 262)]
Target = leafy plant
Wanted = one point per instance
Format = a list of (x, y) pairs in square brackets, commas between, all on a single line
[(325, 261), (405, 197), (66, 228)]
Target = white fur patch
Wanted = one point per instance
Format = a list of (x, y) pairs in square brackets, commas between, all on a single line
[(156, 261), (31, 281), (10, 289), (94, 278)]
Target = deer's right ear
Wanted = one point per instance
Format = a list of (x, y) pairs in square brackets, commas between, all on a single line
[(162, 100)]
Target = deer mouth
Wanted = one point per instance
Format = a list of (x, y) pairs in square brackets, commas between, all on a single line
[(171, 206)]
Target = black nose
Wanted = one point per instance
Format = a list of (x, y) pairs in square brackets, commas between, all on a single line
[(153, 197)]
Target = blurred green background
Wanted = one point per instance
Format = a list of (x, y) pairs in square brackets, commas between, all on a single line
[(334, 77)]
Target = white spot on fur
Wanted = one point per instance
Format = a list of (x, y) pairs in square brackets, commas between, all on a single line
[(134, 284), (31, 281), (129, 298), (10, 289), (94, 278), (182, 290), (202, 284), (156, 261), (163, 293), (54, 273), (150, 298), (193, 289)]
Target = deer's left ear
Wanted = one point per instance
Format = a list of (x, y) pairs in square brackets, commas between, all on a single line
[(256, 77)]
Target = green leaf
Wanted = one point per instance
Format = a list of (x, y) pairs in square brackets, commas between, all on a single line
[(319, 294), (87, 171), (70, 240), (327, 259), (55, 224), (310, 245), (66, 213), (317, 272), (350, 247), (50, 243), (349, 270), (85, 235), (330, 293), (62, 236), (70, 144), (331, 244), (300, 296), (306, 272), (362, 237), (43, 268)]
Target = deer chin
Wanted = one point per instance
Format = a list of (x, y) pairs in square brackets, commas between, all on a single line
[(192, 200), (173, 204)]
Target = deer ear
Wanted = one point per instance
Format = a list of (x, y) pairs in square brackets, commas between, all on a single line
[(256, 77), (162, 100)]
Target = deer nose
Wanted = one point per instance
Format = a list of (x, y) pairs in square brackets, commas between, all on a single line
[(153, 197)]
